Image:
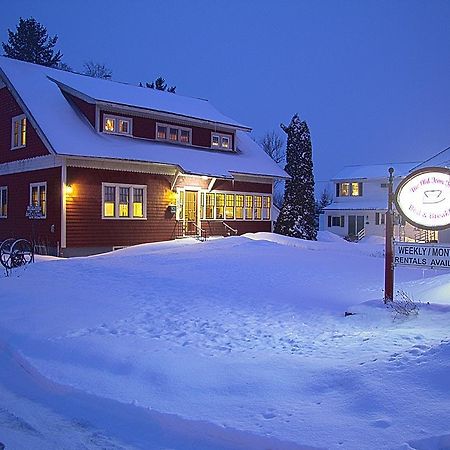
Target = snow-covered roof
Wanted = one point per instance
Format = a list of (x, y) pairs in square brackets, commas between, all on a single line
[(69, 133), (357, 206), (362, 172)]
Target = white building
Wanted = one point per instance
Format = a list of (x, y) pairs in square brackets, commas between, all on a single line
[(360, 203)]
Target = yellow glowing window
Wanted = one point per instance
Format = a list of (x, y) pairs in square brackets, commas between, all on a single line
[(24, 131), (258, 207), (34, 196), (210, 206), (124, 126), (38, 197), (220, 204), (109, 201), (215, 140), (344, 189), (124, 201), (161, 132), (43, 200), (19, 132), (173, 134), (16, 134), (229, 209), (249, 207), (355, 190), (185, 136), (138, 202), (110, 125), (225, 142), (3, 202), (266, 207), (239, 210)]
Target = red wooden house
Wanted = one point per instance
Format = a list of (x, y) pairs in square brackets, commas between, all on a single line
[(109, 164)]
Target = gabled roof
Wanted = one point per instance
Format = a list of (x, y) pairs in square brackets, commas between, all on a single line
[(69, 133), (375, 171)]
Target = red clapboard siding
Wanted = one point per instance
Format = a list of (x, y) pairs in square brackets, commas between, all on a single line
[(9, 109), (85, 226), (87, 109), (17, 224), (242, 186)]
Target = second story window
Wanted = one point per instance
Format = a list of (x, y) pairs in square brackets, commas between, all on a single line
[(19, 132), (117, 125), (221, 141), (349, 189), (173, 133)]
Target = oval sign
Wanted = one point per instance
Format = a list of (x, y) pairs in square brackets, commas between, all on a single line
[(423, 198)]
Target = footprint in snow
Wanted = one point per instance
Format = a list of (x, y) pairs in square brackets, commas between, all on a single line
[(269, 414), (381, 423)]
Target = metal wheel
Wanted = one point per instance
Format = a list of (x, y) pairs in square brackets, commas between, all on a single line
[(5, 253), (21, 253)]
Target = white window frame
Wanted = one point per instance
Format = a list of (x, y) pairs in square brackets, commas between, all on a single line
[(131, 187), (14, 120), (116, 124), (39, 185), (202, 206), (3, 194), (221, 136), (177, 127)]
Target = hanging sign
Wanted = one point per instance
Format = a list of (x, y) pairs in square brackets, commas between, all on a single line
[(423, 198)]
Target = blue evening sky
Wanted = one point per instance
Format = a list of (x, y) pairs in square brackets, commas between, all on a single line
[(371, 77)]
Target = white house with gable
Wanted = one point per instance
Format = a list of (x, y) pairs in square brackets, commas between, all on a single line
[(360, 202)]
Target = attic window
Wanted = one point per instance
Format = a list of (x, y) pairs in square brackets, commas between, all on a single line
[(221, 141), (117, 125), (173, 133), (19, 132)]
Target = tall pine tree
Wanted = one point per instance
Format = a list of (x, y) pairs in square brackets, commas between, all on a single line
[(30, 42), (297, 215)]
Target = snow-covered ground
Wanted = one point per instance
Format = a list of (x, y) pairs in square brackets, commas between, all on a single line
[(236, 343)]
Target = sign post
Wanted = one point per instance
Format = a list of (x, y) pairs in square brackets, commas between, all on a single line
[(388, 261)]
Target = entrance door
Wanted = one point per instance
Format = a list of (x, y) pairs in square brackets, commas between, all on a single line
[(190, 213), (355, 225)]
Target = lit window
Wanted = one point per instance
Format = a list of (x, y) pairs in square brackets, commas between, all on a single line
[(124, 201), (185, 136), (355, 189), (258, 207), (173, 134), (109, 201), (3, 202), (221, 141), (220, 204), (249, 207), (266, 207), (117, 125), (161, 132), (344, 190), (229, 209), (38, 197), (19, 132), (138, 202), (349, 189), (239, 211), (209, 206)]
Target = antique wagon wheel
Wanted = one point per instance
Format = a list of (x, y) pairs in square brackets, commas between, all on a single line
[(21, 253), (5, 253)]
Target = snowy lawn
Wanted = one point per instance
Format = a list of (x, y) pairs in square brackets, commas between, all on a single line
[(236, 343)]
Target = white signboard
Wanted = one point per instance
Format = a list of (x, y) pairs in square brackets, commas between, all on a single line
[(433, 256), (423, 198)]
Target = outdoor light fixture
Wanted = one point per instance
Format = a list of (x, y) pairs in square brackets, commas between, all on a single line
[(69, 189)]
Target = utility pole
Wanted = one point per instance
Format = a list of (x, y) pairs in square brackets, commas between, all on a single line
[(388, 261)]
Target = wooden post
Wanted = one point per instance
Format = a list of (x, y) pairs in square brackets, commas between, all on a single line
[(389, 259)]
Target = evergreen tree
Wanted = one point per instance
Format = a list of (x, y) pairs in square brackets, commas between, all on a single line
[(30, 42), (297, 215), (160, 85)]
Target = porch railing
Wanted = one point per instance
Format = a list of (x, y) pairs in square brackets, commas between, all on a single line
[(361, 234), (201, 233), (229, 229)]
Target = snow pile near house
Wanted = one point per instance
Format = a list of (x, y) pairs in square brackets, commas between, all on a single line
[(236, 343)]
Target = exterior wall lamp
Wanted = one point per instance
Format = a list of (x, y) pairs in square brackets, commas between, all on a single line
[(69, 189)]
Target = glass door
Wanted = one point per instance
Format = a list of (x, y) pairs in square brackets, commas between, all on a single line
[(190, 213)]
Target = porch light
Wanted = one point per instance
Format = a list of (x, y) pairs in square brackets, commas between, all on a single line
[(69, 189)]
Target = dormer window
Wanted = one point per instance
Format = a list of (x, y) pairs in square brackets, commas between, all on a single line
[(117, 125), (173, 133), (349, 189), (19, 132), (221, 141)]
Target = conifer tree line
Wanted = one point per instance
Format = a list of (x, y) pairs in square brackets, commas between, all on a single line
[(30, 42)]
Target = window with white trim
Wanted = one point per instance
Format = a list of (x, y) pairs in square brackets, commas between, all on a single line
[(117, 125), (3, 202), (19, 132), (349, 189), (173, 133), (124, 201), (38, 197), (336, 221), (221, 141), (380, 218)]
